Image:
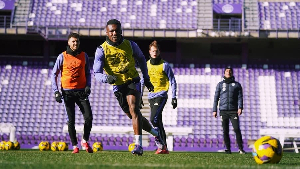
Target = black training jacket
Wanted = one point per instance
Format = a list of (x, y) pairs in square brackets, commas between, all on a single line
[(230, 96)]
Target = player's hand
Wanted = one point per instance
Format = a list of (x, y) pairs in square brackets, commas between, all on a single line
[(239, 112), (58, 97), (149, 86), (87, 90), (111, 79), (174, 102), (141, 104), (215, 114)]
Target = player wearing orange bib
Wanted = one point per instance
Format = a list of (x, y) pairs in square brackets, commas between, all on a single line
[(74, 67)]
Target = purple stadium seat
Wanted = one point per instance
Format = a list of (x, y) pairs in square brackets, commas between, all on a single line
[(131, 17), (34, 120), (283, 18)]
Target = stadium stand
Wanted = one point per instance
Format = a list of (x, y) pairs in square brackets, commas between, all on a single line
[(27, 102), (271, 91), (251, 15), (279, 15), (22, 9), (180, 18), (134, 14)]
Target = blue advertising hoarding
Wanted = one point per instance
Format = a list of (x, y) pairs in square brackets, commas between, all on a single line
[(7, 4), (228, 8)]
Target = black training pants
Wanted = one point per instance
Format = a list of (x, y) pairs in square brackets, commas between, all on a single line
[(234, 118), (157, 105), (81, 99)]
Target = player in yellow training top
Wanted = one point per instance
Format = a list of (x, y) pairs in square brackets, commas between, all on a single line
[(116, 56), (161, 76)]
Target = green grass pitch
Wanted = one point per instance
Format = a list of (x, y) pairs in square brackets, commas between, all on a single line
[(27, 159)]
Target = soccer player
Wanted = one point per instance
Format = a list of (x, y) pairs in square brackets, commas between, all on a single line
[(73, 65), (230, 94), (116, 56), (162, 77)]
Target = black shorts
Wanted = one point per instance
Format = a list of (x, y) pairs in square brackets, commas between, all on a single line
[(127, 89)]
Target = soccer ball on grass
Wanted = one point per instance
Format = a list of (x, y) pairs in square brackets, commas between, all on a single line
[(9, 145), (17, 145), (44, 146), (2, 145), (267, 149), (54, 146), (97, 146), (63, 146), (131, 147)]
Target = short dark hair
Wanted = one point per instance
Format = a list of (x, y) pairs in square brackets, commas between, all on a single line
[(73, 35), (113, 21)]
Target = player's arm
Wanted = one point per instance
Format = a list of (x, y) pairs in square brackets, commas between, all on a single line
[(216, 98), (142, 92), (87, 88), (140, 58), (55, 72), (240, 99), (142, 86), (168, 70), (98, 68), (87, 71)]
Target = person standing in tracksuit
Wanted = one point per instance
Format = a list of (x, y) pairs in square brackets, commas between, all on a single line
[(161, 76), (230, 94), (74, 67)]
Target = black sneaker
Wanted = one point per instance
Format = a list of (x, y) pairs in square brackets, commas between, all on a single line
[(227, 151), (242, 151)]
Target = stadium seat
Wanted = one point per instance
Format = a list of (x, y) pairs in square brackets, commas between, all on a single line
[(36, 118), (133, 15)]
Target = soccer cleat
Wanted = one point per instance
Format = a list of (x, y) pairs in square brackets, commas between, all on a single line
[(158, 140), (227, 151), (241, 151), (159, 151), (87, 147), (165, 150), (75, 150), (138, 150), (162, 151)]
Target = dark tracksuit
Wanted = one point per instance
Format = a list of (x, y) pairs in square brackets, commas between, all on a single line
[(161, 75), (230, 94)]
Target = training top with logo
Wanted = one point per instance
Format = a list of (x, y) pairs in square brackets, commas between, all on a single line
[(114, 56), (230, 96), (161, 76)]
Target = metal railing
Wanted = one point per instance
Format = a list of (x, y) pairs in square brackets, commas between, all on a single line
[(234, 25), (5, 21)]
